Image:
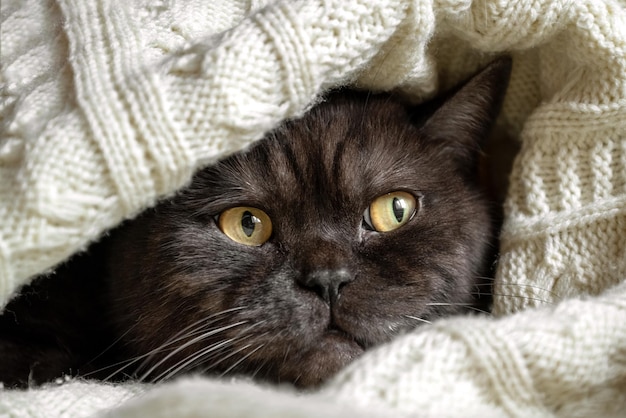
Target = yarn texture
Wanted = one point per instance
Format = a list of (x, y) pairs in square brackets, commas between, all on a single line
[(107, 106)]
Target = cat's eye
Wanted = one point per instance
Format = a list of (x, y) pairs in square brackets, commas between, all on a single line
[(246, 225), (390, 211)]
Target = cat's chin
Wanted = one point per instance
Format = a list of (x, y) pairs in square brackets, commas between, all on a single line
[(334, 351)]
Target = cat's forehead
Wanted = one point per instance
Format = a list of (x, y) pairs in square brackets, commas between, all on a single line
[(349, 144), (347, 150)]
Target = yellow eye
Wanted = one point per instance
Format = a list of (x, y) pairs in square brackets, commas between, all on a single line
[(245, 225), (390, 211)]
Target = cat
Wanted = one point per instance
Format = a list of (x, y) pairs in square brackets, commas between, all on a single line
[(337, 232)]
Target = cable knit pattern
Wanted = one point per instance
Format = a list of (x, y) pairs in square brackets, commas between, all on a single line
[(107, 106)]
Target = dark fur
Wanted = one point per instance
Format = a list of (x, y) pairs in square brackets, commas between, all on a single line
[(170, 284)]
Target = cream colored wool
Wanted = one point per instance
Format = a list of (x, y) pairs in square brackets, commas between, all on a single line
[(107, 106)]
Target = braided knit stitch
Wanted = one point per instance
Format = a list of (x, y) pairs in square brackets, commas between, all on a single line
[(107, 106)]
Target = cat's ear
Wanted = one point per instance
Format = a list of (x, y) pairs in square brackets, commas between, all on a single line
[(462, 122)]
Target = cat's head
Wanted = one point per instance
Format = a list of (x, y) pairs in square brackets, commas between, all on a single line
[(335, 233)]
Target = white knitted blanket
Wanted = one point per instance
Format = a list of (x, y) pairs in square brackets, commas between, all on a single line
[(108, 105)]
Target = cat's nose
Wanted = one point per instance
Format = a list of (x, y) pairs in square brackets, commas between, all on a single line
[(327, 283)]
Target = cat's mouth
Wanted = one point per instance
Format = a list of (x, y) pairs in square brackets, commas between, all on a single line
[(334, 332)]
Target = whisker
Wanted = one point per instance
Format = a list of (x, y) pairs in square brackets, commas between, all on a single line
[(418, 319), (199, 325), (466, 305), (199, 356), (206, 369), (521, 285), (258, 369), (475, 309), (271, 341), (448, 304), (146, 357), (187, 344), (241, 359), (226, 357), (529, 298), (129, 362), (505, 295), (126, 363), (187, 362), (117, 340)]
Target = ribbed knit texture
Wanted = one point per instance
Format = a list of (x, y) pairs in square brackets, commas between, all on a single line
[(108, 106)]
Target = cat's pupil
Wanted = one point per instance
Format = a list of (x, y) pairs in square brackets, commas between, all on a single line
[(398, 206), (248, 221)]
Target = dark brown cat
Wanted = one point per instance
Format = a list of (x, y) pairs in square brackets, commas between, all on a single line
[(337, 232)]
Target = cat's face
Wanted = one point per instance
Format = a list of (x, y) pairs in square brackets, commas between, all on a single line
[(335, 233)]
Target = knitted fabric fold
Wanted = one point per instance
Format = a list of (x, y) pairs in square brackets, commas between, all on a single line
[(107, 106), (129, 123)]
